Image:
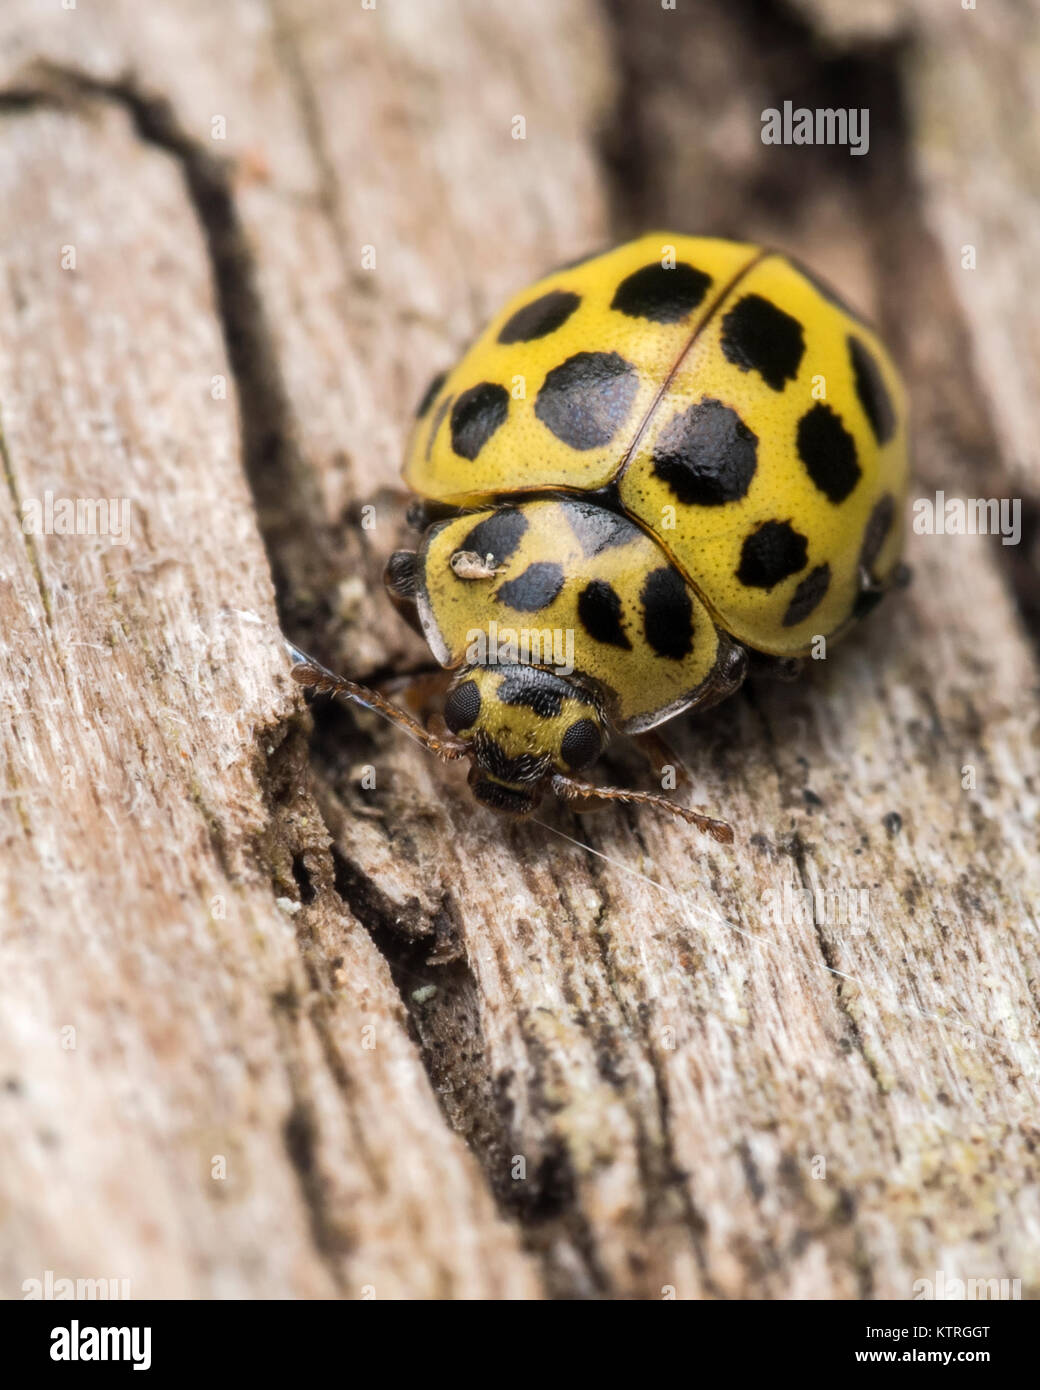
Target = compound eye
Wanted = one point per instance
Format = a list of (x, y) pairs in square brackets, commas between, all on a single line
[(581, 744), (462, 707)]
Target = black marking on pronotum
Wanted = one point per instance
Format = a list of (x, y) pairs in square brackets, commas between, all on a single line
[(828, 452), (706, 455), (871, 390), (757, 336), (586, 399), (476, 416), (808, 596), (534, 589), (599, 611), (772, 552), (667, 614), (661, 294), (497, 535), (539, 318)]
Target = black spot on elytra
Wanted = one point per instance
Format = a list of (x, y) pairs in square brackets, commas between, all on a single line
[(436, 422), (828, 452), (534, 589), (597, 528), (581, 744), (462, 707), (599, 610), (876, 530), (667, 614), (430, 394), (585, 400), (539, 318), (871, 390), (475, 417), (808, 595), (660, 294), (706, 455), (497, 535), (757, 336), (772, 553)]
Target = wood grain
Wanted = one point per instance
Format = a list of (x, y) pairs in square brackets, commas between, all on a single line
[(443, 1056)]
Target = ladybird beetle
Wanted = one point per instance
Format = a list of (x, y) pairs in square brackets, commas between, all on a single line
[(679, 452)]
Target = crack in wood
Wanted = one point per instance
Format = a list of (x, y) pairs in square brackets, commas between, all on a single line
[(302, 552), (27, 536), (302, 558)]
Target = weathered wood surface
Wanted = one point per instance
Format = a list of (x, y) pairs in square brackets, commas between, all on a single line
[(244, 941)]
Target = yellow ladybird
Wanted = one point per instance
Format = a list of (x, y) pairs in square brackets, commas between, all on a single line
[(649, 464)]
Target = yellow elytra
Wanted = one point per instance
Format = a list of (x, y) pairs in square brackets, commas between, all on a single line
[(679, 452)]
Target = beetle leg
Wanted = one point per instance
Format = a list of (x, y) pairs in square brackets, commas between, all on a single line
[(661, 757), (418, 689), (778, 668), (872, 591)]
